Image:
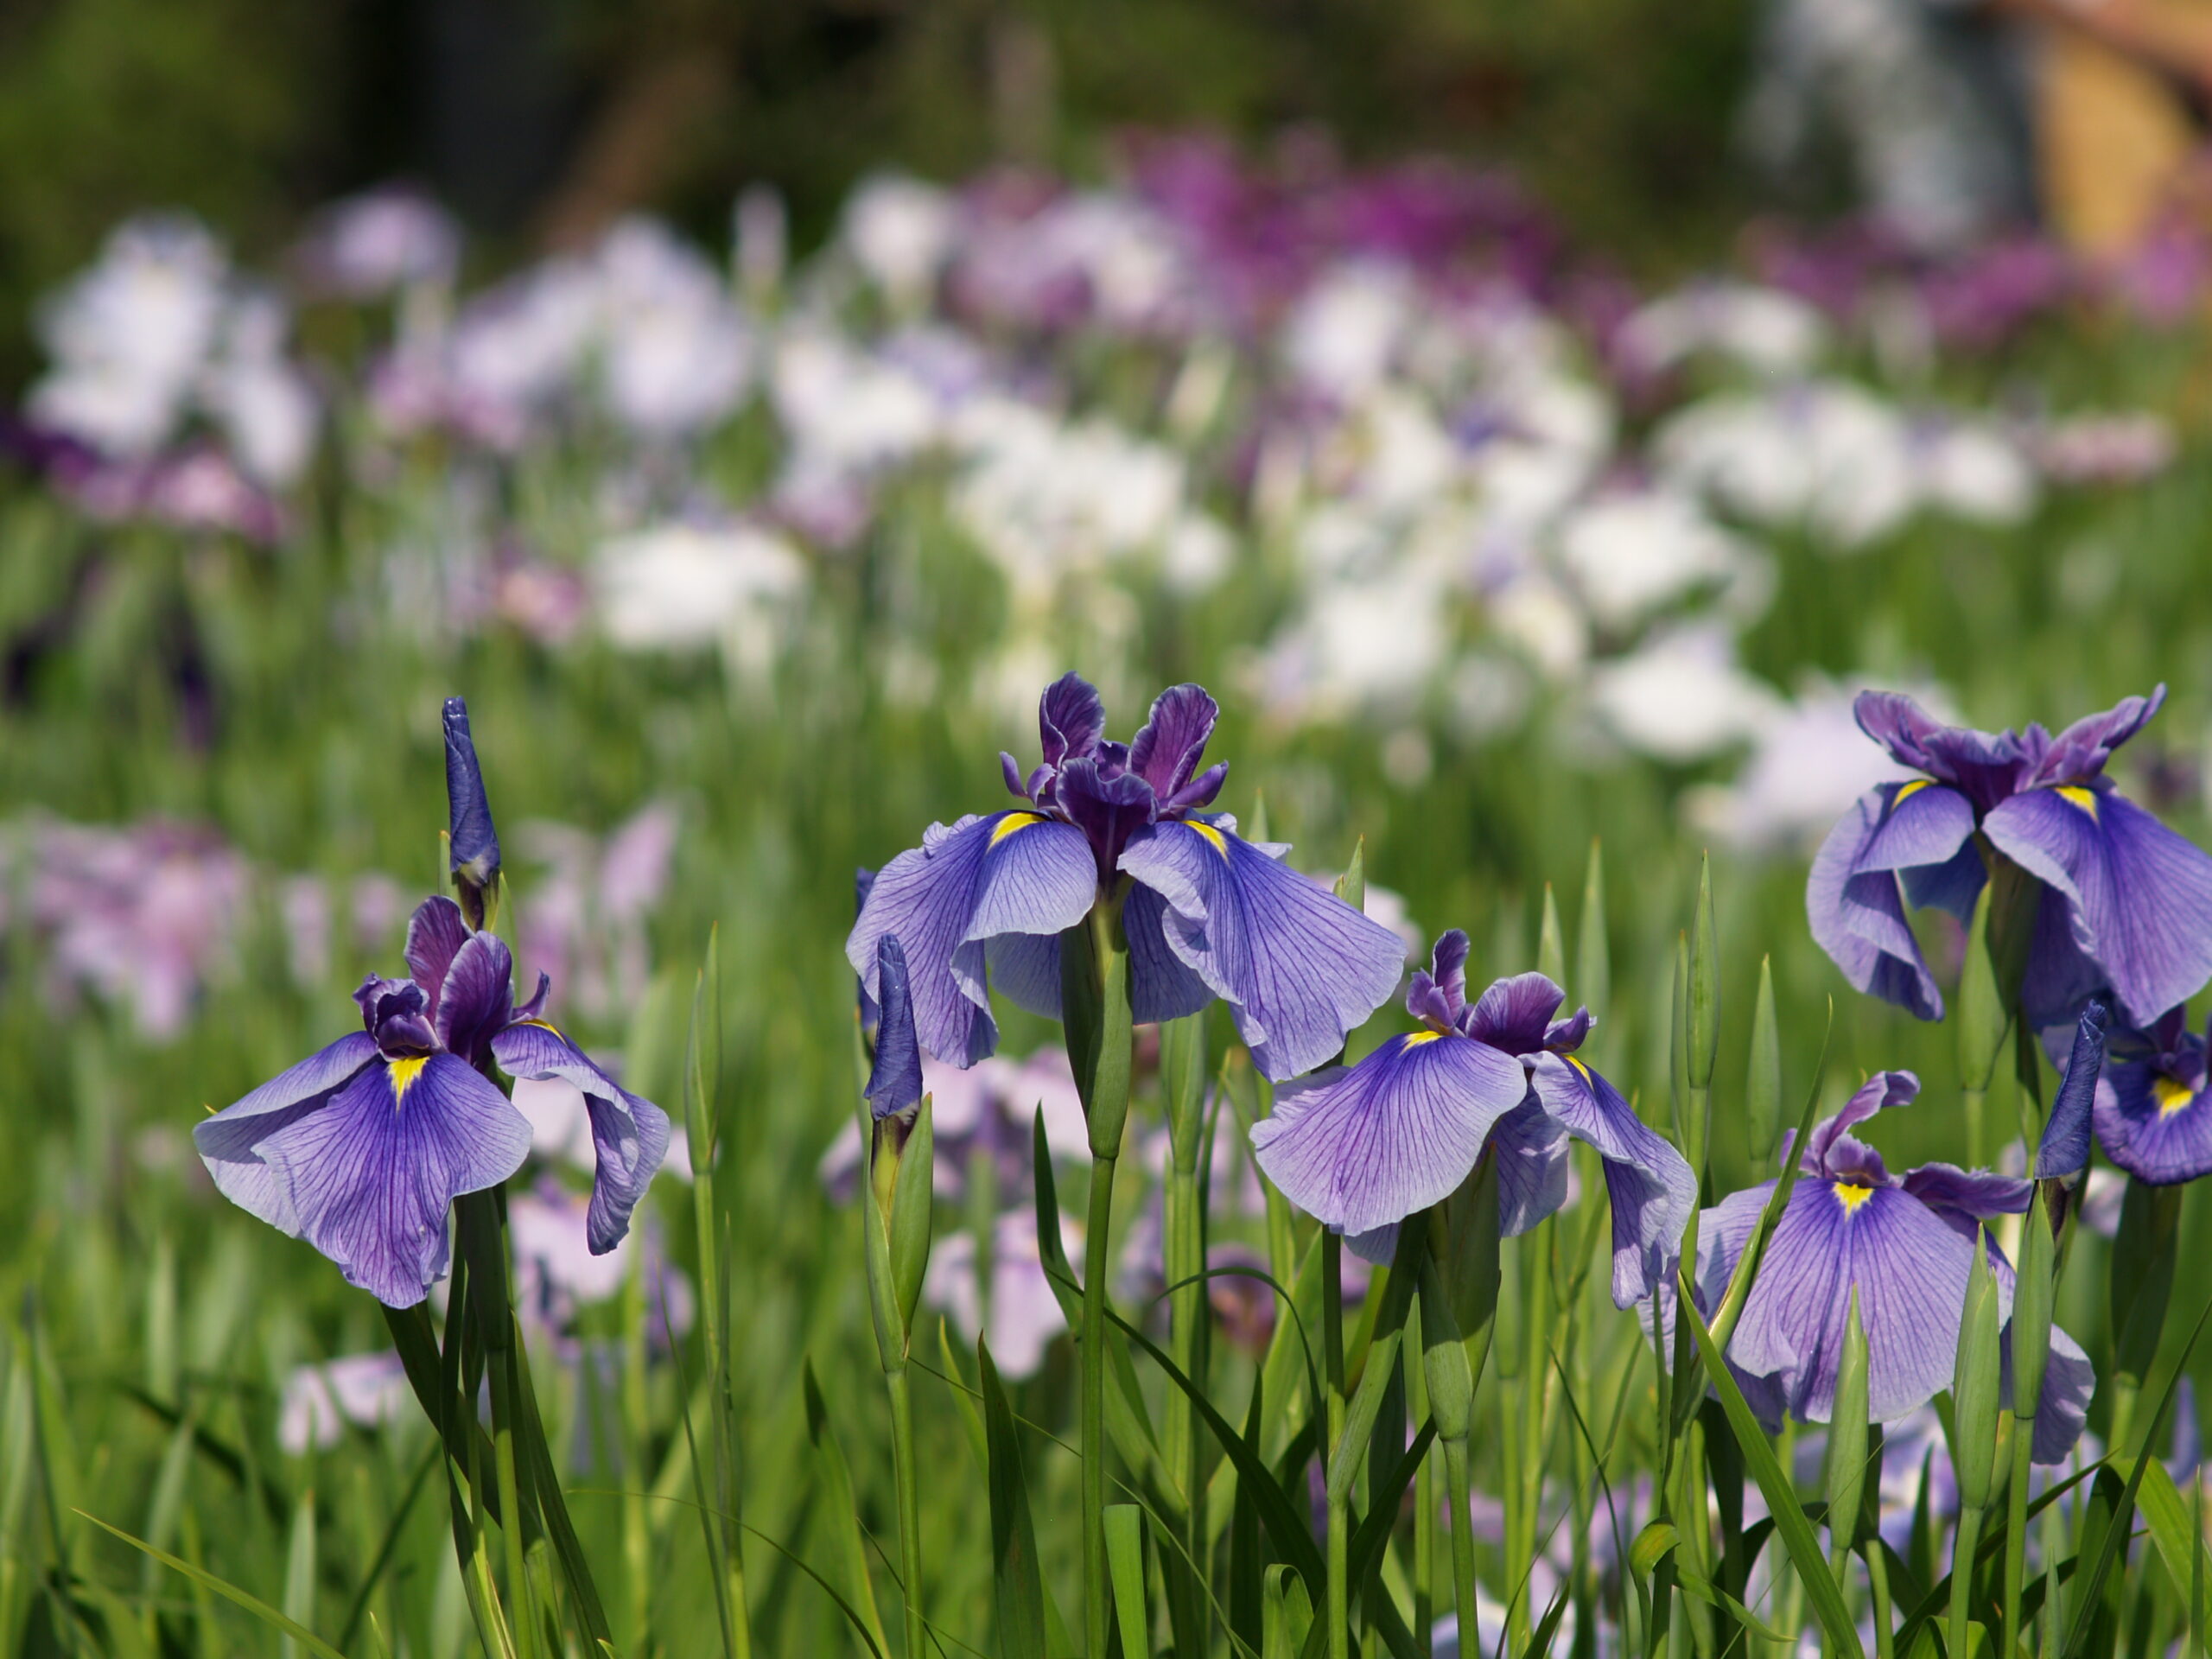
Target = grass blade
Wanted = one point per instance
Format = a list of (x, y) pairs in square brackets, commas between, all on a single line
[(261, 1610), (1016, 1581)]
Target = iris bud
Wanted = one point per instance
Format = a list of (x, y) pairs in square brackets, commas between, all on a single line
[(1975, 1386), (1844, 1472), (1762, 1083), (2031, 1296), (474, 843)]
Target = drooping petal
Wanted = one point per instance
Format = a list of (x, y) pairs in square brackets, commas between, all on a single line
[(2079, 752), (1882, 1091), (1964, 1198), (1297, 966), (368, 1179), (2069, 1380), (2064, 1149), (479, 997), (2141, 895), (1953, 886), (1910, 1271), (1651, 1185), (1530, 1146), (435, 933), (1723, 1231), (1026, 971), (2059, 978), (629, 1134), (1070, 718), (1172, 740), (1361, 1147), (1161, 987), (1922, 824), (225, 1142), (2156, 1122), (1009, 873), (1514, 1015), (894, 1083), (1440, 990), (1859, 919)]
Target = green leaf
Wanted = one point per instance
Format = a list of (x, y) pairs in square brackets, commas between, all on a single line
[(1551, 943), (260, 1608), (844, 1511), (1351, 886), (1016, 1580), (1125, 1562), (299, 1572), (1763, 1080), (1287, 1615), (1980, 1010), (1703, 1013), (2179, 1545), (1593, 961), (1790, 1524)]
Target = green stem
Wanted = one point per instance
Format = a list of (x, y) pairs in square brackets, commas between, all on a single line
[(910, 1506), (1339, 1529), (1098, 1610), (1878, 1580), (1974, 1099), (502, 1451), (1424, 1565), (1459, 1496), (1184, 1248), (1964, 1543), (2016, 1515)]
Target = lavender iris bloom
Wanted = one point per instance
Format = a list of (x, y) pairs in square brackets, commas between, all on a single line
[(984, 900), (360, 1149), (2126, 903), (1363, 1147), (1906, 1246), (2153, 1112)]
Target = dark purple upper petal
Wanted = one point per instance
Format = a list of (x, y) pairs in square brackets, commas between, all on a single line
[(1172, 741), (478, 996), (392, 1012), (435, 933), (1652, 1188), (629, 1134), (1900, 726), (1858, 919), (1014, 872), (1439, 991), (2064, 1149), (1565, 1036), (1362, 1148), (1514, 1015), (2078, 754), (1108, 804), (1070, 720), (2140, 896), (1882, 1090), (1297, 966), (367, 1179), (894, 1081), (1964, 1198)]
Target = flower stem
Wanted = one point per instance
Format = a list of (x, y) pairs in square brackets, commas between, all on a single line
[(1339, 1528), (910, 1506), (1458, 1497), (1878, 1582), (2016, 1521), (1964, 1544), (1096, 1607), (1424, 1568)]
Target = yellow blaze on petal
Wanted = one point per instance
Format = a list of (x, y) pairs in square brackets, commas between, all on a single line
[(1852, 1196), (2084, 798), (1220, 841), (2171, 1094), (404, 1073), (1418, 1037), (1013, 820), (1911, 789), (1578, 1065), (542, 1025)]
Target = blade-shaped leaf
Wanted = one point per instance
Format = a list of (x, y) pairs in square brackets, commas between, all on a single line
[(1016, 1582)]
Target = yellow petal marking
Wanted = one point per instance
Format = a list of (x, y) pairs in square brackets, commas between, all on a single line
[(1415, 1038), (1578, 1065), (542, 1025), (2084, 798), (1220, 841), (1852, 1196), (2171, 1094), (402, 1074), (1013, 820), (1911, 789)]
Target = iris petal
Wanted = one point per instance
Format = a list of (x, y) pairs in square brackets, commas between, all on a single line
[(226, 1142), (1858, 919), (478, 998), (1297, 966), (1652, 1188), (629, 1134), (435, 933), (2156, 1128)]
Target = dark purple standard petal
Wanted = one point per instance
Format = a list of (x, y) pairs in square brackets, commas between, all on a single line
[(1070, 718), (1297, 966), (1514, 1015), (1651, 1185), (2064, 1149), (1910, 1270), (2139, 896), (1964, 1198), (1167, 750), (479, 997), (475, 848), (1880, 1092), (225, 1142), (1014, 872), (367, 1178), (629, 1134), (2079, 753), (1439, 991), (1108, 804), (392, 1012), (894, 1081), (1900, 726), (435, 933), (1362, 1148), (1858, 919)]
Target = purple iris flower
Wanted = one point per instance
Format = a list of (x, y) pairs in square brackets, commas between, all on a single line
[(2153, 1111), (1361, 1148), (983, 901), (360, 1149), (2125, 903), (1906, 1246)]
